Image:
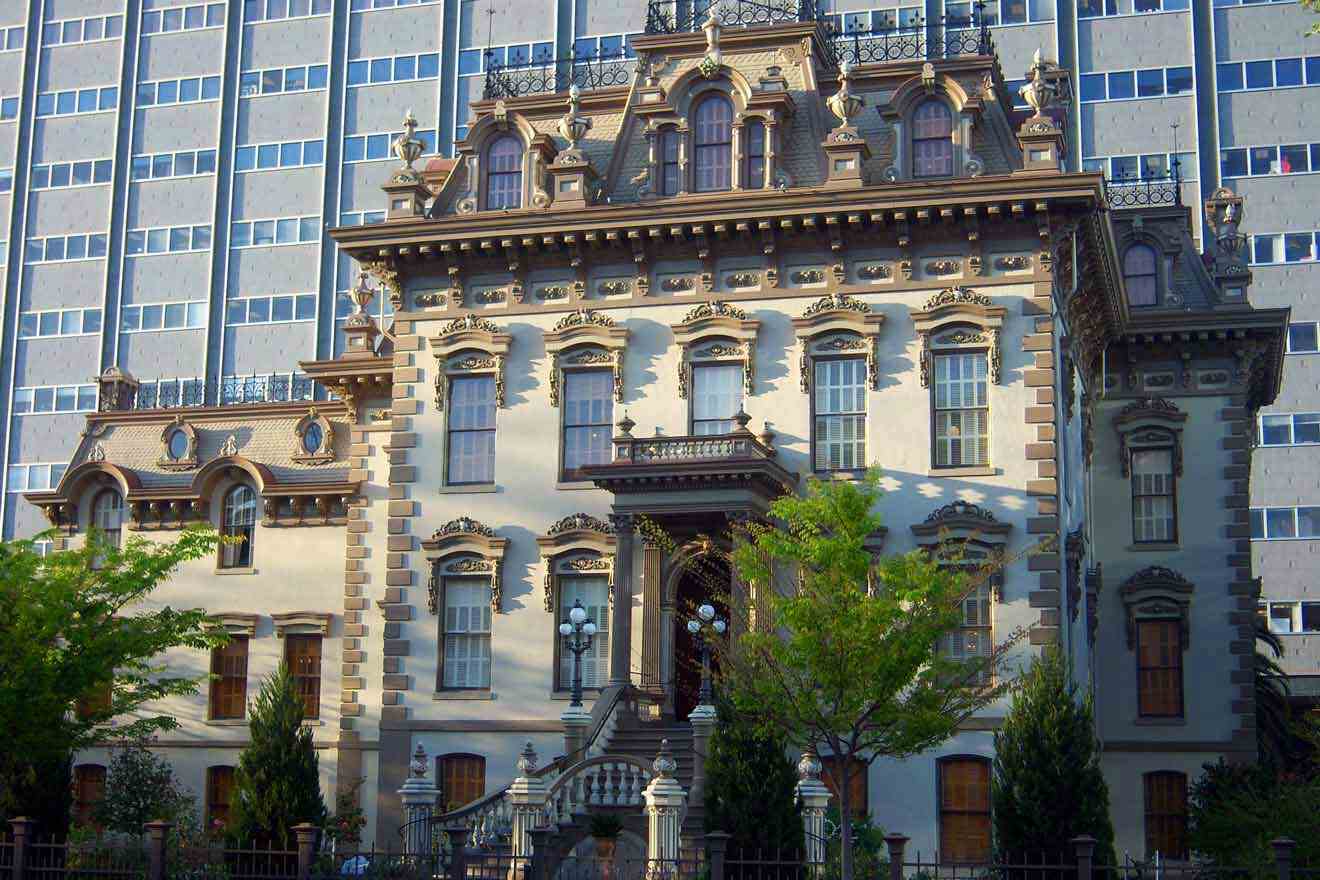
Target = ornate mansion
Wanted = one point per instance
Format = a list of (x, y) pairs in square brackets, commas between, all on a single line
[(768, 256)]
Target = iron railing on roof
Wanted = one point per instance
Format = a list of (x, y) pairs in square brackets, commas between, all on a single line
[(950, 37), (1145, 191), (677, 16), (596, 70), (229, 391)]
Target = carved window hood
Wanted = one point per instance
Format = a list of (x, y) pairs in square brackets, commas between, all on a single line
[(470, 345), (578, 544), (838, 324), (704, 336), (585, 338), (464, 547)]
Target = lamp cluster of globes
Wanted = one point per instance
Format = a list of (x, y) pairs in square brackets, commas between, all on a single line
[(707, 615), (577, 617)]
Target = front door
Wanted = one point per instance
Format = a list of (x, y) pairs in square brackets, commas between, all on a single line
[(705, 581)]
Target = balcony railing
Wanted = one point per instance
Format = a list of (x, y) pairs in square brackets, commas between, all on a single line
[(950, 38), (677, 16), (594, 71), (1145, 191), (684, 450), (229, 391)]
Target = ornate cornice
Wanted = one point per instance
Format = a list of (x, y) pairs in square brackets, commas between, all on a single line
[(582, 318), (463, 525), (580, 522)]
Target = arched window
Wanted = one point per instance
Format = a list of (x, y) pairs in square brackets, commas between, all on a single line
[(754, 155), (1140, 275), (669, 168), (108, 515), (238, 519), (932, 140), (504, 174), (713, 143)]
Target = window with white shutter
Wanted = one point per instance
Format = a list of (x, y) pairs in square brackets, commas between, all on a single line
[(840, 418), (1153, 496), (716, 397), (594, 593), (973, 638), (962, 411), (466, 634)]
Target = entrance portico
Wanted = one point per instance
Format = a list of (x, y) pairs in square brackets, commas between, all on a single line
[(685, 496)]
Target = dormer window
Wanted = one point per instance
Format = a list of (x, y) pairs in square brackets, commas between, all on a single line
[(504, 174), (1141, 275), (932, 140), (754, 155), (713, 144), (670, 169)]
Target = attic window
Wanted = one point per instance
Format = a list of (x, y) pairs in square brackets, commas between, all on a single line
[(932, 140), (1140, 275), (504, 174), (714, 144)]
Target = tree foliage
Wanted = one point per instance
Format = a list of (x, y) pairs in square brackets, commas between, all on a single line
[(842, 655), (277, 784), (140, 787), (1047, 786), (751, 786), (80, 622), (1235, 810)]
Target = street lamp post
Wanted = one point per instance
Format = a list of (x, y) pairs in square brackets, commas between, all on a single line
[(704, 627), (579, 631)]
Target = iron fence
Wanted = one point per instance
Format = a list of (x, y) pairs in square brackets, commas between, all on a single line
[(597, 70), (950, 38), (229, 391), (1148, 190), (678, 16)]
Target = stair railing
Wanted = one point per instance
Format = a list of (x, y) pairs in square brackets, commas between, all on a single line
[(489, 818), (605, 781)]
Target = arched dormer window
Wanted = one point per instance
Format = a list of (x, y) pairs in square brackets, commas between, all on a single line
[(932, 139), (713, 144), (670, 166), (1141, 275), (504, 173), (108, 515), (754, 155), (238, 519)]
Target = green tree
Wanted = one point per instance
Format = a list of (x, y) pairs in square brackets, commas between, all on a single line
[(76, 623), (751, 786), (277, 784), (842, 655), (1047, 786), (1235, 810), (1314, 6), (140, 786)]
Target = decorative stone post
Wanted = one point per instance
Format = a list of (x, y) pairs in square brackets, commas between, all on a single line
[(666, 807), (1283, 856), (703, 723), (815, 798), (406, 190), (527, 798), (418, 795), (896, 844), (575, 720)]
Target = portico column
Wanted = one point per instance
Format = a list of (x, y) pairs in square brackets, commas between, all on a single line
[(621, 615), (652, 678)]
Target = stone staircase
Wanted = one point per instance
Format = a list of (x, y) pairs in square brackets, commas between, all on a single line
[(641, 739)]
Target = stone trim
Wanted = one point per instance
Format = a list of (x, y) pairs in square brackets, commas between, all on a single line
[(577, 543), (188, 460), (236, 623), (698, 336), (837, 324), (464, 546), (1243, 587), (325, 450), (1043, 412), (454, 349), (301, 622), (1156, 592), (585, 338), (937, 325)]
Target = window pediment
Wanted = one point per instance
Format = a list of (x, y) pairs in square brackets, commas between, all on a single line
[(470, 345), (537, 151), (964, 522), (178, 446), (465, 546), (302, 622), (314, 439), (236, 623), (1149, 421), (838, 323), (1156, 592), (577, 544), (716, 331), (585, 338), (958, 317)]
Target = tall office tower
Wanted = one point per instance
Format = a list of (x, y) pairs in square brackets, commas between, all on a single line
[(168, 168)]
